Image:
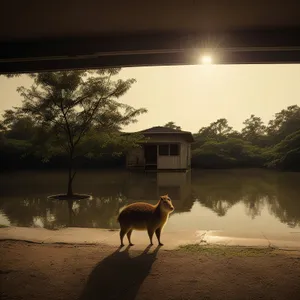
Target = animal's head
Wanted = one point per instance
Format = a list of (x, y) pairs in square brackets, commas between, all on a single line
[(166, 203)]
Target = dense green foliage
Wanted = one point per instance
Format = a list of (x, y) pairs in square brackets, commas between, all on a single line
[(66, 118), (73, 119), (276, 145)]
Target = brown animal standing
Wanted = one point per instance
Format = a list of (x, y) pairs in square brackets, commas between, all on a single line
[(144, 216)]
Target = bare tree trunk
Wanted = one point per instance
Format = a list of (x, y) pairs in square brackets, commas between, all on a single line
[(71, 175), (70, 183)]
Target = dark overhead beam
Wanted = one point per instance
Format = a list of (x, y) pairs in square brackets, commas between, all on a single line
[(243, 47), (282, 57)]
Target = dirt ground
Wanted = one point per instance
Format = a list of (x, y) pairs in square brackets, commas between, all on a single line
[(43, 271)]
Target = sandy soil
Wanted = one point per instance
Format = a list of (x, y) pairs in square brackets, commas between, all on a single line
[(40, 271)]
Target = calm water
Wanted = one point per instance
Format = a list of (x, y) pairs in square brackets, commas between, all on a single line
[(240, 202)]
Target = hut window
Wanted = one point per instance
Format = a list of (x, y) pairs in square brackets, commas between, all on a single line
[(163, 150), (168, 150), (174, 149)]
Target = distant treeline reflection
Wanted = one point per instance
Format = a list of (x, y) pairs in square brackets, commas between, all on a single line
[(217, 190)]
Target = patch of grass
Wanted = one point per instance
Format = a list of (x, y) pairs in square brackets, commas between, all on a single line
[(3, 226), (228, 251)]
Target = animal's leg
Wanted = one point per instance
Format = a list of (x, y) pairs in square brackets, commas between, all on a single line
[(158, 232), (150, 233), (129, 237), (123, 231)]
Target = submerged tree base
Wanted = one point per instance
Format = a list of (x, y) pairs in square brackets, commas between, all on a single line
[(70, 197)]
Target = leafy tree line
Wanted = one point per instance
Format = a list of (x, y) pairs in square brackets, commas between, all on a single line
[(275, 145), (73, 119)]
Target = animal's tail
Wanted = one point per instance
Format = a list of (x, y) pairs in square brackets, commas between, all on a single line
[(120, 210), (118, 219)]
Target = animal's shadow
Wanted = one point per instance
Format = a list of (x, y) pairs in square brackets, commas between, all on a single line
[(119, 276)]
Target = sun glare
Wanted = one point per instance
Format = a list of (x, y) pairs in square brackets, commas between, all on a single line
[(206, 59)]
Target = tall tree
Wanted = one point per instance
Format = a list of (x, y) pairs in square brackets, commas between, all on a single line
[(254, 129), (285, 122), (72, 106), (216, 130), (221, 127)]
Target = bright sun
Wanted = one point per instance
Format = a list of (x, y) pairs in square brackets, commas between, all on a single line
[(206, 59)]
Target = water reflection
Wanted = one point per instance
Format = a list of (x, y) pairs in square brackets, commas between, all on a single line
[(111, 191), (23, 196), (255, 189)]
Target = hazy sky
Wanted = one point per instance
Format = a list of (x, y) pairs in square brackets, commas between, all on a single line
[(194, 96)]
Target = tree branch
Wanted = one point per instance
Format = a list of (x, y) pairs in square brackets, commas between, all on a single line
[(67, 129), (90, 117)]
